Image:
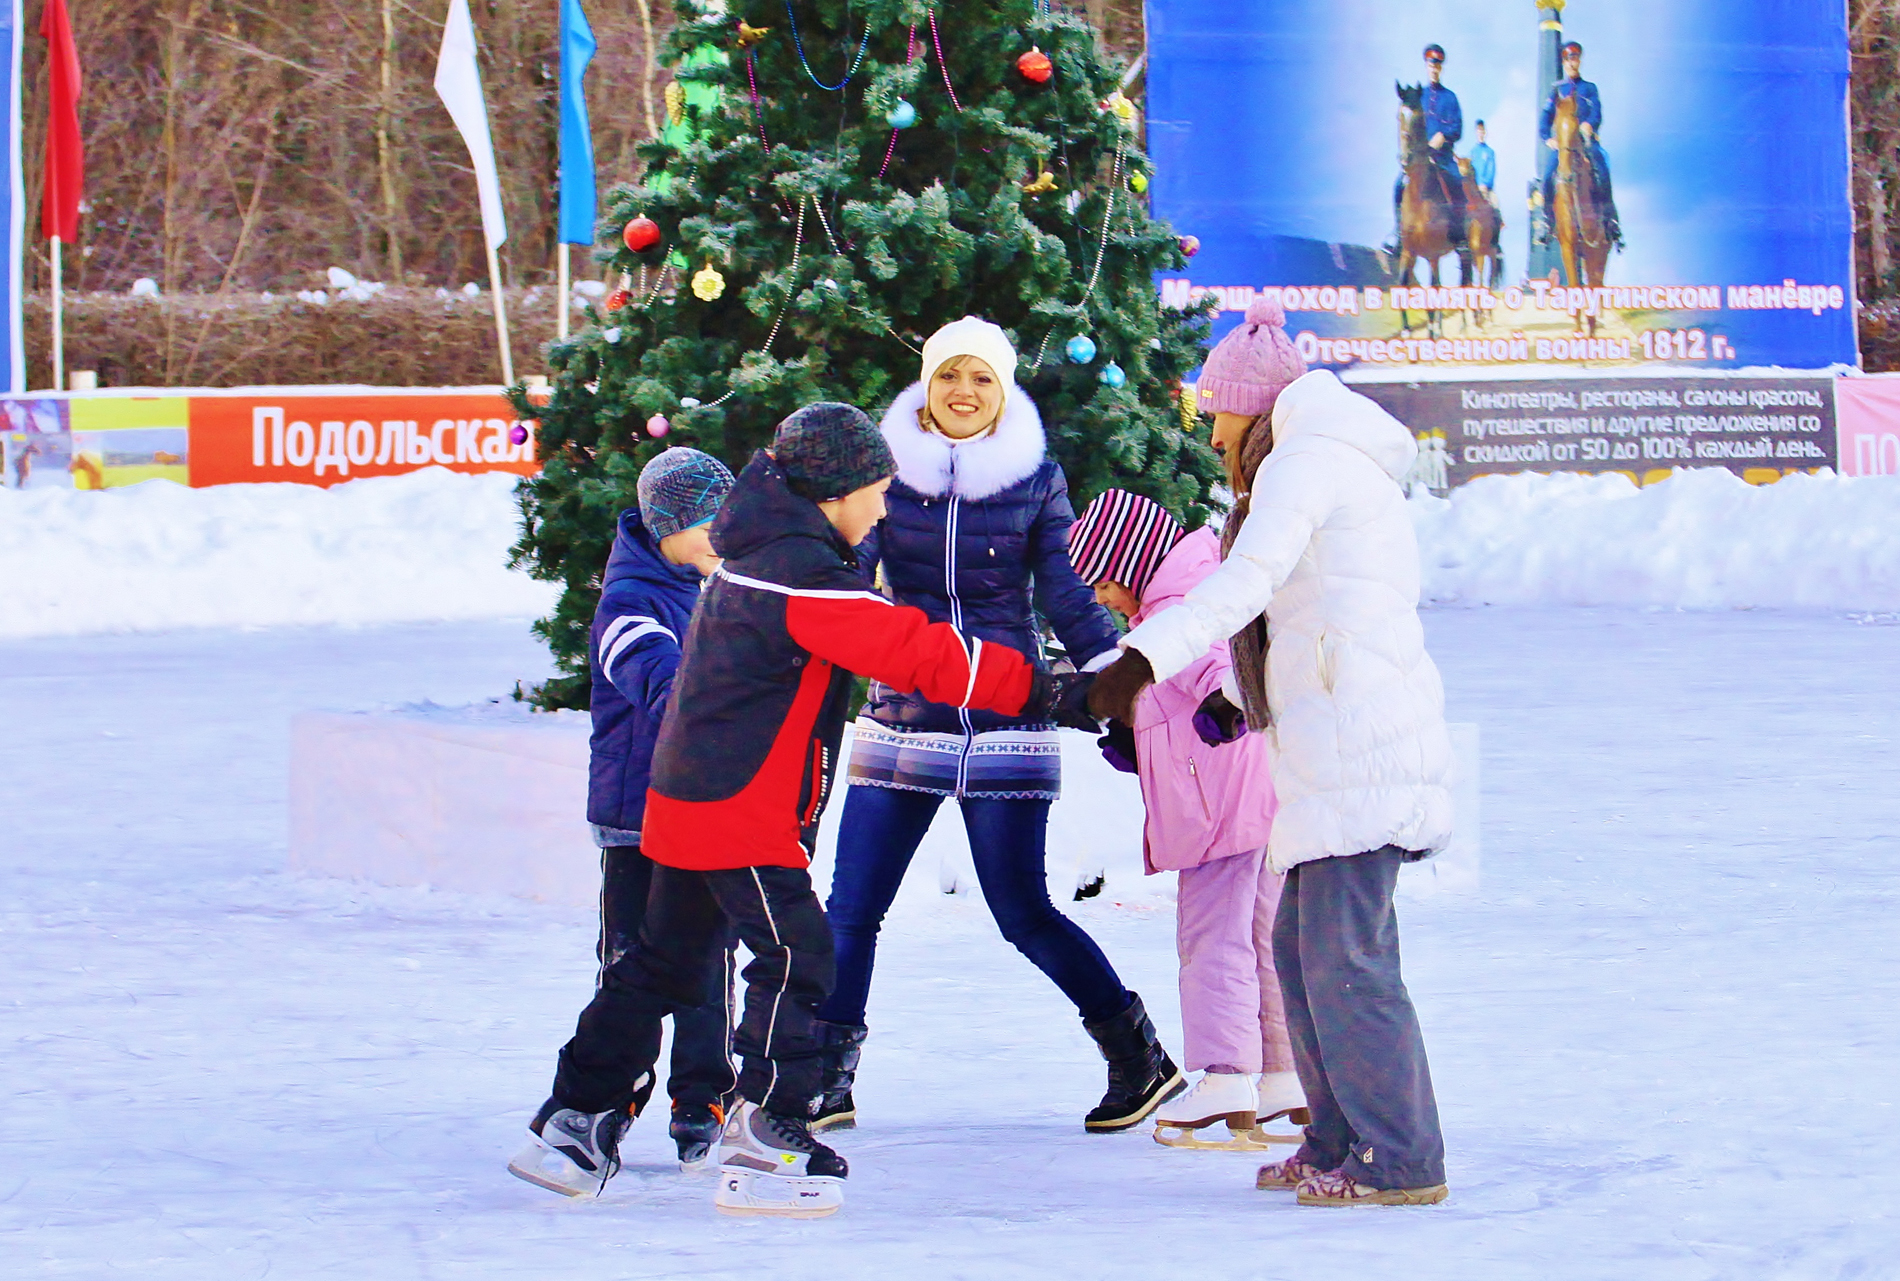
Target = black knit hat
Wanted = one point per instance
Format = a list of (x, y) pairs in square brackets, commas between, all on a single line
[(827, 450)]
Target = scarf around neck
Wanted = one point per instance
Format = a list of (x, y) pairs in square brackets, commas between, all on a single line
[(1249, 644)]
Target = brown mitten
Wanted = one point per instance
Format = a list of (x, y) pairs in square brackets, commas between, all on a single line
[(1118, 685)]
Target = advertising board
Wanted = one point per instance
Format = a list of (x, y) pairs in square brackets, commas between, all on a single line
[(1431, 185), (1760, 428), (306, 436)]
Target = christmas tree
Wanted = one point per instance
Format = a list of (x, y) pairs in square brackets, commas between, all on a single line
[(839, 178)]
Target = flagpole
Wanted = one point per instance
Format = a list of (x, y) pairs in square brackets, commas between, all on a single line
[(560, 298), (59, 322), (501, 317)]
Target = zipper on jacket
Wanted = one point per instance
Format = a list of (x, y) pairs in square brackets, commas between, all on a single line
[(815, 785), (956, 615), (1199, 790)]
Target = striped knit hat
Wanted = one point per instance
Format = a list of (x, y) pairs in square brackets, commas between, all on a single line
[(1122, 538)]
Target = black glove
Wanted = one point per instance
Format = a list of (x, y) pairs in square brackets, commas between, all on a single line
[(1118, 685), (1061, 697), (1118, 747), (1218, 721)]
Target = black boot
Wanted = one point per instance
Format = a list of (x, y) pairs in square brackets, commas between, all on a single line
[(694, 1129), (1141, 1076), (843, 1042)]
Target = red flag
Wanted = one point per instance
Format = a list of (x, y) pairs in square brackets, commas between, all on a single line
[(65, 155)]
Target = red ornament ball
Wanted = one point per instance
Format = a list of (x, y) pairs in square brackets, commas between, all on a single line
[(618, 299), (1190, 245), (641, 234), (1036, 67)]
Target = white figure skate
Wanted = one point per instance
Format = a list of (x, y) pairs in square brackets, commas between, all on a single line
[(770, 1164), (1282, 1107), (1217, 1096)]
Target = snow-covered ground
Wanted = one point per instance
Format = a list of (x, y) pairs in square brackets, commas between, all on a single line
[(433, 547), (1663, 1032)]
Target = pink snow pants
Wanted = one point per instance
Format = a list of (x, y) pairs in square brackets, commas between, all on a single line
[(1232, 1013)]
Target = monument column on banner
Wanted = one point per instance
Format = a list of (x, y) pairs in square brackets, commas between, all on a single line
[(1541, 259)]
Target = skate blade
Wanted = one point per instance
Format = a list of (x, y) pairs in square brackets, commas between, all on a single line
[(1175, 1136), (541, 1165), (699, 1164), (744, 1192), (836, 1121)]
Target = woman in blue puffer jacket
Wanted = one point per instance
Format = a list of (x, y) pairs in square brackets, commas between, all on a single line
[(977, 536)]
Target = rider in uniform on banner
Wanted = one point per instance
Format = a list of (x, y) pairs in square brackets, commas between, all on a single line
[(1589, 122), (1484, 165), (1444, 126)]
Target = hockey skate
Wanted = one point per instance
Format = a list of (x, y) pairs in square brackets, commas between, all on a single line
[(695, 1128), (573, 1153), (770, 1164)]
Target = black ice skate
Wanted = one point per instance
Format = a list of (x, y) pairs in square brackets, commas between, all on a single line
[(695, 1128), (573, 1153), (770, 1164), (843, 1043), (1141, 1076)]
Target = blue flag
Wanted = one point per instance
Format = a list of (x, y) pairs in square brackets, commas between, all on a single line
[(577, 144)]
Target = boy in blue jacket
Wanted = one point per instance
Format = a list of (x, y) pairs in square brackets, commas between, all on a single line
[(661, 557)]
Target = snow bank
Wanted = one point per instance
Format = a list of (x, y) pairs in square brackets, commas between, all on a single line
[(1701, 539), (426, 547), (433, 546)]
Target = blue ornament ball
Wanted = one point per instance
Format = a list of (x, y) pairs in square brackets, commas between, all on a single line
[(1081, 349), (1112, 375), (902, 116)]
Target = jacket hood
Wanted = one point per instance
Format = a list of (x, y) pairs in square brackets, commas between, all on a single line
[(636, 555), (1318, 404), (1187, 563), (762, 510), (974, 469)]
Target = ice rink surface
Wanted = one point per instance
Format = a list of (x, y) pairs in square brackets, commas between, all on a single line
[(1664, 1032)]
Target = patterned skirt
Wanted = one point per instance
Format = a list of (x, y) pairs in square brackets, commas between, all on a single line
[(998, 764)]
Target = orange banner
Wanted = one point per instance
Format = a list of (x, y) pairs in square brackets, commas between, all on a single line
[(326, 439)]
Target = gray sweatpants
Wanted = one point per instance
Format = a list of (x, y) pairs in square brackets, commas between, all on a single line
[(1356, 1042)]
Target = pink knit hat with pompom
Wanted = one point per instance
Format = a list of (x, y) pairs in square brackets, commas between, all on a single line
[(1252, 365)]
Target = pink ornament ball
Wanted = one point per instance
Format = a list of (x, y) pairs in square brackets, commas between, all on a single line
[(1190, 245), (657, 426), (518, 434)]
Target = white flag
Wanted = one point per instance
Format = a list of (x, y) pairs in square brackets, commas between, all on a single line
[(458, 82)]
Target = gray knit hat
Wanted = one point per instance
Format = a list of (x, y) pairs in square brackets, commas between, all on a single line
[(828, 449), (680, 488)]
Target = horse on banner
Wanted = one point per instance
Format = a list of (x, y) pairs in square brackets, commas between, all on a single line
[(1578, 222), (1426, 208)]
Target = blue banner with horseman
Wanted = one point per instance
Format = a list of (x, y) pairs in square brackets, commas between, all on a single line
[(1598, 184)]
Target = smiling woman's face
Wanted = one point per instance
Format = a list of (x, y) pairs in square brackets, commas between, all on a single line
[(965, 397)]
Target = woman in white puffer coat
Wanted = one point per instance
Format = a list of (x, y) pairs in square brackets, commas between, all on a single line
[(1325, 550)]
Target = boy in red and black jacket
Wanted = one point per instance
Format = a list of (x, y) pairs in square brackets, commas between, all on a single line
[(740, 774)]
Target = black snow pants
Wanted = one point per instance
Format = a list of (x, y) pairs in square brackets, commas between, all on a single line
[(673, 967), (702, 1037), (1356, 1040)]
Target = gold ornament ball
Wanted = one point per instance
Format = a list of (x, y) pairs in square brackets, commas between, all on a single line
[(1121, 106), (708, 284), (1138, 182)]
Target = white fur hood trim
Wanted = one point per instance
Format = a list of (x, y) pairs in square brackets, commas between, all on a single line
[(975, 469)]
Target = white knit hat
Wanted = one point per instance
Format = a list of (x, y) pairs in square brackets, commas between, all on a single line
[(973, 336)]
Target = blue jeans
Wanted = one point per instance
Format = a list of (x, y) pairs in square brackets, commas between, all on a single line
[(877, 835)]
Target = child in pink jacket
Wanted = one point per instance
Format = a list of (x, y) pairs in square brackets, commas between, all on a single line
[(1205, 783)]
